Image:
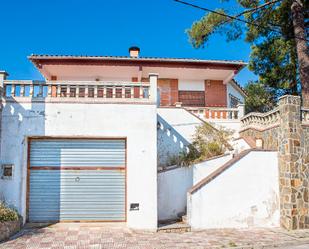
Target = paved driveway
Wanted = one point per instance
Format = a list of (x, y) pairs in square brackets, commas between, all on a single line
[(97, 236)]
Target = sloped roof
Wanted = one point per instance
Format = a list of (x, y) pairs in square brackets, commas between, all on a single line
[(77, 57)]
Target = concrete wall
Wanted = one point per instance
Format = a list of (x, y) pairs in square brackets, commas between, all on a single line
[(174, 184), (172, 192), (245, 195), (232, 125), (203, 169), (175, 132), (136, 122)]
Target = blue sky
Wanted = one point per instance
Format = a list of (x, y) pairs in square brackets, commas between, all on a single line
[(97, 27)]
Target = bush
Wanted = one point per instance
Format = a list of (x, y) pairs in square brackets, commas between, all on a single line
[(207, 142), (7, 214)]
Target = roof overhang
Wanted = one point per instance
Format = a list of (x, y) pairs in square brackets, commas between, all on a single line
[(50, 65)]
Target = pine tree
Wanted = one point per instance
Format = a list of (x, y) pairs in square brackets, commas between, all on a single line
[(278, 33)]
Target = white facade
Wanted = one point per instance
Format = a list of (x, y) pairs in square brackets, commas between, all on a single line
[(172, 192), (135, 122), (176, 129), (174, 183), (191, 85), (245, 195)]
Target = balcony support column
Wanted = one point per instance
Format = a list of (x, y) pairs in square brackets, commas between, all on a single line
[(153, 94)]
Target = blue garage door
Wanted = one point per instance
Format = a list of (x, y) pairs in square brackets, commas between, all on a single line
[(77, 180)]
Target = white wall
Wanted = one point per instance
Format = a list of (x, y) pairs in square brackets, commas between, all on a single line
[(191, 85), (172, 192), (245, 195), (203, 169), (174, 184), (136, 122), (231, 90), (232, 125), (175, 132)]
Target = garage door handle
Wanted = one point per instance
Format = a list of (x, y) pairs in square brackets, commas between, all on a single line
[(77, 179)]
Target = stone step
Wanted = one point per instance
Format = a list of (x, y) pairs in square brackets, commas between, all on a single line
[(177, 227), (184, 219)]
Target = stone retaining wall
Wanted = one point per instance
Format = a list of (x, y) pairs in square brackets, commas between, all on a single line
[(269, 136), (290, 137), (9, 228)]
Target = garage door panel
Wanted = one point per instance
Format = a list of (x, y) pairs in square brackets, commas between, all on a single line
[(58, 193), (77, 153)]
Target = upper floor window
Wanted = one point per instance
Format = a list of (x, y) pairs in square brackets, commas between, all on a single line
[(234, 101)]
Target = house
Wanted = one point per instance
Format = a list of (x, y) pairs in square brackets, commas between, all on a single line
[(82, 144)]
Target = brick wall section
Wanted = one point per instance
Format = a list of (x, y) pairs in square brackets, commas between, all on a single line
[(215, 94), (168, 91)]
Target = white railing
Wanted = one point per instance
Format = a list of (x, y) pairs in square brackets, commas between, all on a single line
[(215, 113), (70, 90), (305, 115), (261, 120)]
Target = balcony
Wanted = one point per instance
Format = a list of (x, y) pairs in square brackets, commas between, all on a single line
[(218, 113), (78, 91)]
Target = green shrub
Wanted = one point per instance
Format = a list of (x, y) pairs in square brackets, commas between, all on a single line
[(7, 214), (207, 142)]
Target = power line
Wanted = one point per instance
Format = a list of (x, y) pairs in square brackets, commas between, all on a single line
[(236, 18)]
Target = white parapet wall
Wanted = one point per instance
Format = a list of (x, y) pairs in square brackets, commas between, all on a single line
[(203, 169), (174, 183), (244, 195), (136, 122), (176, 128)]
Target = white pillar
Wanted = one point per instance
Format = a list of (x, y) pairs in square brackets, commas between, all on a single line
[(153, 80), (3, 75), (241, 110)]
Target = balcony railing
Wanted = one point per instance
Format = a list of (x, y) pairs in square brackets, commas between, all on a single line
[(258, 120), (215, 113), (76, 90)]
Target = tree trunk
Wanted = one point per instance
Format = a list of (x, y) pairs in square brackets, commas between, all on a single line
[(302, 48)]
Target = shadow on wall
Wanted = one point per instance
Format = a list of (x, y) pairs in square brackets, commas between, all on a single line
[(19, 120), (170, 143)]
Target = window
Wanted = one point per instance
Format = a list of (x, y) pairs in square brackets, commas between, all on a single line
[(234, 101), (7, 171)]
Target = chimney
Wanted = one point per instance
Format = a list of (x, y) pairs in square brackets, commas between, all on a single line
[(134, 52)]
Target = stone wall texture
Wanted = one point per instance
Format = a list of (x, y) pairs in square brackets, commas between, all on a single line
[(269, 136), (291, 139), (9, 228)]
